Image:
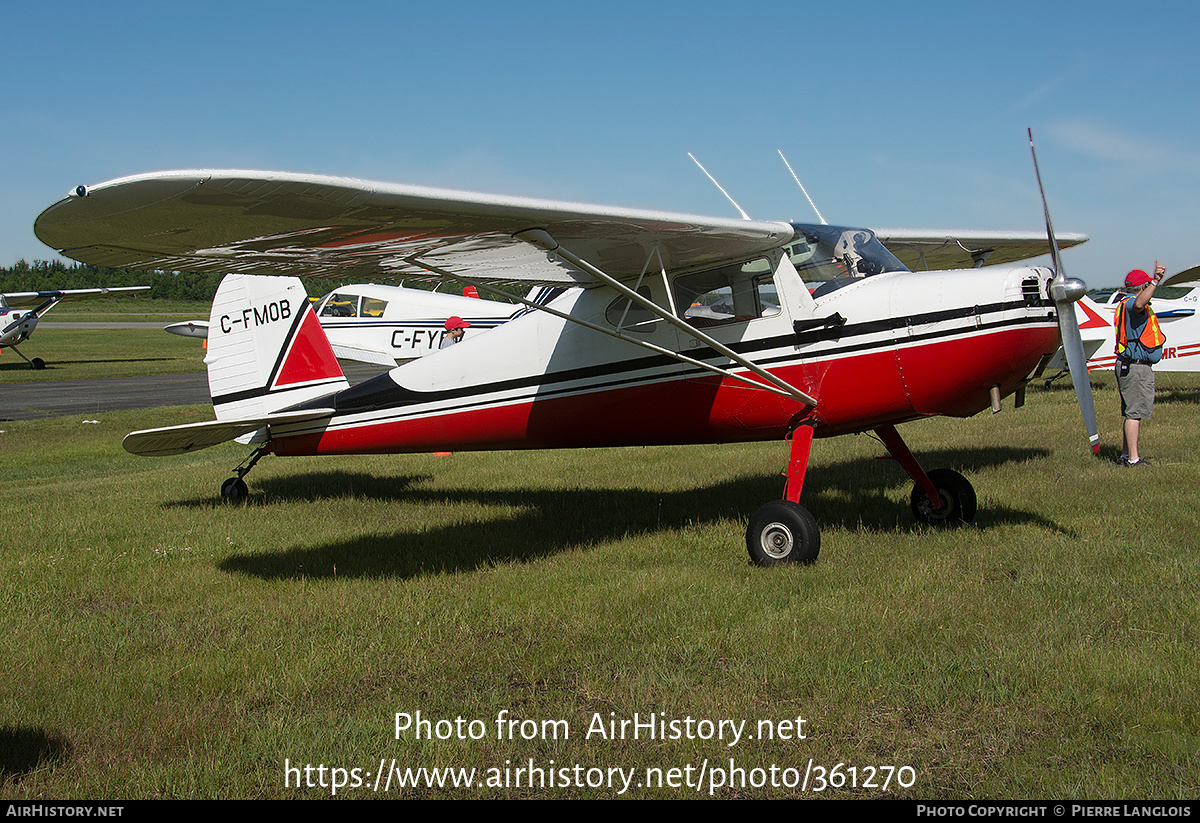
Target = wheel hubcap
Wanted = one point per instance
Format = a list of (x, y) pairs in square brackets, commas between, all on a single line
[(942, 514), (777, 540)]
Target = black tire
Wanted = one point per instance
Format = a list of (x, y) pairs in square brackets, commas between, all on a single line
[(37, 363), (234, 491), (783, 532), (958, 500)]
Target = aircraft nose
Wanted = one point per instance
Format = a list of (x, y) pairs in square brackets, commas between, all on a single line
[(1067, 288)]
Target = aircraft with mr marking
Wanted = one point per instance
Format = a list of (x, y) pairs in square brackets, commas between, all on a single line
[(804, 331), (18, 326), (390, 325), (1175, 302)]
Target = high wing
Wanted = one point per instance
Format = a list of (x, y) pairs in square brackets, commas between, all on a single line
[(1183, 279), (941, 250), (275, 223), (21, 299)]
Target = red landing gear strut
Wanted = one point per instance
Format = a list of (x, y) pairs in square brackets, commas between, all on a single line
[(783, 531)]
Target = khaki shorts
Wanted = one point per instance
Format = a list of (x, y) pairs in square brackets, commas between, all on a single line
[(1137, 390)]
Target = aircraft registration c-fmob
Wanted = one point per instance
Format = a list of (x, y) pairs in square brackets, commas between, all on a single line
[(674, 329)]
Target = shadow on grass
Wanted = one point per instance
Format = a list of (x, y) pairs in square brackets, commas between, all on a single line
[(855, 494), (1171, 394), (53, 366), (23, 749)]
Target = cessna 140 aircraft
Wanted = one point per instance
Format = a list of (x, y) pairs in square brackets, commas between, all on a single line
[(806, 330), (17, 326), (390, 325)]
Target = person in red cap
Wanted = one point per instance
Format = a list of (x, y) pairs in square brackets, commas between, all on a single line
[(455, 329), (1139, 347)]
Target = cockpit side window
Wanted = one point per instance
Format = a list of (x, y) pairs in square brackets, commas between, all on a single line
[(373, 307), (831, 256), (340, 305), (730, 294), (629, 316)]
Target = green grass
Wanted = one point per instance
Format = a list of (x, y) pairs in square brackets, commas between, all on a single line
[(159, 644), (128, 309), (84, 354)]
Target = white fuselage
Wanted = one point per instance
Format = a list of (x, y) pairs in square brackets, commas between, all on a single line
[(390, 325)]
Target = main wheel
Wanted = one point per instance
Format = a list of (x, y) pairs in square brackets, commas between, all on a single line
[(234, 491), (958, 500), (783, 532), (37, 363)]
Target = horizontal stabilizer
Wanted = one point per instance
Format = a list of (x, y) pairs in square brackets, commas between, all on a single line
[(192, 328), (195, 436)]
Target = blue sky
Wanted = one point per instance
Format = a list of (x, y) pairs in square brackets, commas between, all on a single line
[(897, 115)]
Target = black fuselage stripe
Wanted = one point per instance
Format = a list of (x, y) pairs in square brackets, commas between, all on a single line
[(389, 400)]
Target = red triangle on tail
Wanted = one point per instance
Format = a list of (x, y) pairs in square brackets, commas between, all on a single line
[(309, 357)]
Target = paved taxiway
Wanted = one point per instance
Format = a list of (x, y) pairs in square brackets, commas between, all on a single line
[(30, 401)]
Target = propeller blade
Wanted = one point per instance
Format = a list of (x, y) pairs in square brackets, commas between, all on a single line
[(1065, 292), (1068, 328)]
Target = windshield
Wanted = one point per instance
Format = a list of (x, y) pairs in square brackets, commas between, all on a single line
[(828, 257)]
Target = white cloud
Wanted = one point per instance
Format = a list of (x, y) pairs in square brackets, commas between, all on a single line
[(1135, 151)]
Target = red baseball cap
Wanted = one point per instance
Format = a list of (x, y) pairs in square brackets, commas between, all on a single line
[(457, 322), (1136, 278)]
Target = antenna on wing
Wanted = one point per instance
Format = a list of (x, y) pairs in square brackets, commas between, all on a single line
[(801, 185), (718, 185)]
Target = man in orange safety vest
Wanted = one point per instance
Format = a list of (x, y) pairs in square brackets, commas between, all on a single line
[(1139, 347)]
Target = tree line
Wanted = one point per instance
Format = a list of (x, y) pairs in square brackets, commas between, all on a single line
[(44, 275)]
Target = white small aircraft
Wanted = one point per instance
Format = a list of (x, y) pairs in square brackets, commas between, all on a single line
[(810, 330), (1180, 323), (17, 326), (390, 325)]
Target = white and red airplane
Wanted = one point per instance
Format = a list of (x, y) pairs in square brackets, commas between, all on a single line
[(17, 326), (795, 331), (390, 325)]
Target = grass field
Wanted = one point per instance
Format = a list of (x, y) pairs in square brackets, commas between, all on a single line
[(83, 353), (159, 644)]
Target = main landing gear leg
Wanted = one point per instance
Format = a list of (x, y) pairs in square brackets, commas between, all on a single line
[(940, 498), (234, 490), (37, 363), (783, 531)]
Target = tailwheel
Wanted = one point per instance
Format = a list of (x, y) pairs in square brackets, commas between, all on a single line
[(234, 491), (783, 532), (957, 496), (37, 363)]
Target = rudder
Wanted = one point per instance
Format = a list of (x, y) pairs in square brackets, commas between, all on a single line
[(266, 348)]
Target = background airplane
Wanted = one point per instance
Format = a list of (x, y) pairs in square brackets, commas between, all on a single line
[(814, 331), (17, 326), (389, 325), (1177, 313)]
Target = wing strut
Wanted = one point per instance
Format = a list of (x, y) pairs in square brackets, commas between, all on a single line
[(542, 239), (683, 358)]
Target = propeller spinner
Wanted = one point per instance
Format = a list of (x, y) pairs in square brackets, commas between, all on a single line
[(1065, 292)]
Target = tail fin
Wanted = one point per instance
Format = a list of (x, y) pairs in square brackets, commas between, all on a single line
[(266, 348)]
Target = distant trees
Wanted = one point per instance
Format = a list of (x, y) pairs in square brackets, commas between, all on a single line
[(42, 275)]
